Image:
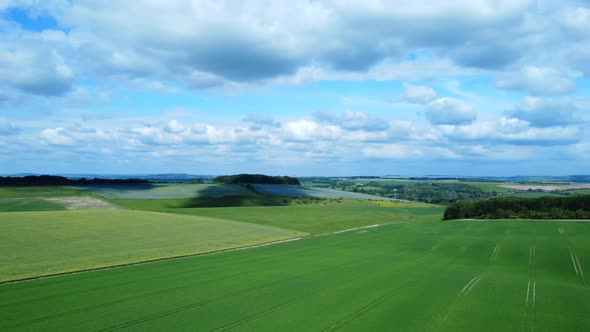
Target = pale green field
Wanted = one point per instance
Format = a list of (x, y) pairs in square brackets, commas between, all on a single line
[(168, 191), (316, 216), (51, 242)]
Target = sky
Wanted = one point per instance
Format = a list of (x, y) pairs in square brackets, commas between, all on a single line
[(302, 88)]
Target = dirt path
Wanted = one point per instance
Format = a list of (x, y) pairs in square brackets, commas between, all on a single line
[(83, 203)]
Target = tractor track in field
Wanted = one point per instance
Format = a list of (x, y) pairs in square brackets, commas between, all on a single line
[(574, 257), (219, 298), (135, 297), (372, 305), (268, 311), (531, 289), (109, 303), (495, 252), (375, 303), (468, 287)]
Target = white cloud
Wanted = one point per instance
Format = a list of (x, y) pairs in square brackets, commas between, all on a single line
[(541, 112), (306, 130), (511, 131), (56, 136), (418, 94), (409, 152), (351, 120), (450, 111), (538, 81)]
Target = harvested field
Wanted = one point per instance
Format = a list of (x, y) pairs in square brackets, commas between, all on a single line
[(83, 203), (546, 187)]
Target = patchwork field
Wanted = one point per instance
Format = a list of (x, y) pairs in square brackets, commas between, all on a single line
[(418, 276), (50, 198), (297, 191), (315, 216), (356, 265), (168, 191), (52, 242)]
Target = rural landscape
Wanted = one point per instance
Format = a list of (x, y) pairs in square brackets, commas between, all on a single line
[(262, 255), (304, 165)]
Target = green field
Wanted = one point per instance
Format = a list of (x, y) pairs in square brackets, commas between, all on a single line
[(422, 276), (28, 204), (367, 265), (312, 216), (40, 191), (168, 191), (44, 243)]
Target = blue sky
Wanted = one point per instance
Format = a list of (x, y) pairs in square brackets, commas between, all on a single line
[(299, 88)]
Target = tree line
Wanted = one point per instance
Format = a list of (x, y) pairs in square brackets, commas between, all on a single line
[(575, 207), (52, 180)]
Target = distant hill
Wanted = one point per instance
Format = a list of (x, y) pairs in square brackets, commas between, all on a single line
[(52, 180), (257, 179)]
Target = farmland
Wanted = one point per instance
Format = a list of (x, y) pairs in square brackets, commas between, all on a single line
[(347, 264), (45, 243), (435, 276)]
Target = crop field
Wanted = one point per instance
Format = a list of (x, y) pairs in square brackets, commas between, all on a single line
[(44, 243), (28, 204), (296, 191), (415, 276), (168, 191), (311, 216), (50, 198)]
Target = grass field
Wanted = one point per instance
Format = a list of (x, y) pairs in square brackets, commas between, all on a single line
[(315, 216), (168, 191), (28, 204), (43, 243), (40, 191), (422, 276), (49, 198)]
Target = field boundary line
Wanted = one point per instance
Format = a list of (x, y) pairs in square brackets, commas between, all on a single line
[(155, 260), (352, 229)]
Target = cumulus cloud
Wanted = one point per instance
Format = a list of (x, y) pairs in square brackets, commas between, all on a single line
[(541, 112), (538, 81), (56, 136), (418, 94), (204, 44), (35, 70), (450, 111), (512, 131), (306, 130)]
